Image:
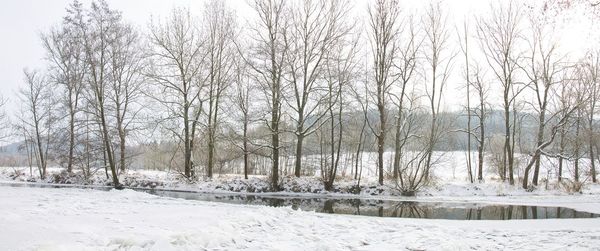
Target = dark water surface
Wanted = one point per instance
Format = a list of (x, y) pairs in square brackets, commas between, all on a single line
[(370, 207)]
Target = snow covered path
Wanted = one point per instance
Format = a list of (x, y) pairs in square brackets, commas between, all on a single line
[(78, 219)]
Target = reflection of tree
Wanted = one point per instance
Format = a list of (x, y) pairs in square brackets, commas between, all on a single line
[(494, 213), (405, 209), (524, 212), (410, 209), (534, 212), (498, 212), (356, 203), (474, 213), (250, 199), (275, 202), (328, 206)]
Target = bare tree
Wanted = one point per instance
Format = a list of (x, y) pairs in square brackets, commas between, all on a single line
[(177, 56), (474, 83), (439, 61), (481, 113), (242, 101), (363, 105), (383, 31), (341, 69), (315, 28), (407, 67), (543, 71), (126, 80), (578, 96), (464, 46), (411, 174), (66, 57), (266, 59), (563, 101), (37, 119), (220, 51), (99, 31), (499, 35), (591, 78)]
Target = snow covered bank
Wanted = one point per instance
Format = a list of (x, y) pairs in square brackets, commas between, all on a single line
[(447, 185), (77, 219)]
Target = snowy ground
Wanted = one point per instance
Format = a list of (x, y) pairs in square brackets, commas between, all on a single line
[(77, 219)]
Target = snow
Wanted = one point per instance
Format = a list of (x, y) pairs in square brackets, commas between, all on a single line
[(450, 181), (84, 219)]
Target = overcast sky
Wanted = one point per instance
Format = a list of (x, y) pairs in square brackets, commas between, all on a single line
[(21, 22)]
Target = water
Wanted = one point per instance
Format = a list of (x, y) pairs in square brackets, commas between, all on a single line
[(386, 208), (371, 207)]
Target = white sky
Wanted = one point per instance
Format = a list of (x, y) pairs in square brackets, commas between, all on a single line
[(21, 22)]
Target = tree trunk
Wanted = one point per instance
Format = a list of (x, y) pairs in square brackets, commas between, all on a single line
[(359, 148), (577, 146), (122, 143), (481, 140), (398, 151), (591, 145), (540, 141), (380, 150), (298, 162), (211, 151), (42, 158), (71, 140), (106, 140), (511, 153), (507, 148), (381, 138), (187, 142), (469, 165), (245, 148), (275, 146)]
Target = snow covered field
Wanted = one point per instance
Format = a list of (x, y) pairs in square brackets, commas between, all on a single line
[(78, 219)]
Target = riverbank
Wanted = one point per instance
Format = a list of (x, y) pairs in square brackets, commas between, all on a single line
[(445, 186)]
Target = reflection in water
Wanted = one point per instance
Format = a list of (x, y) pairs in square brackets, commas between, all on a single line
[(399, 209), (381, 208)]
